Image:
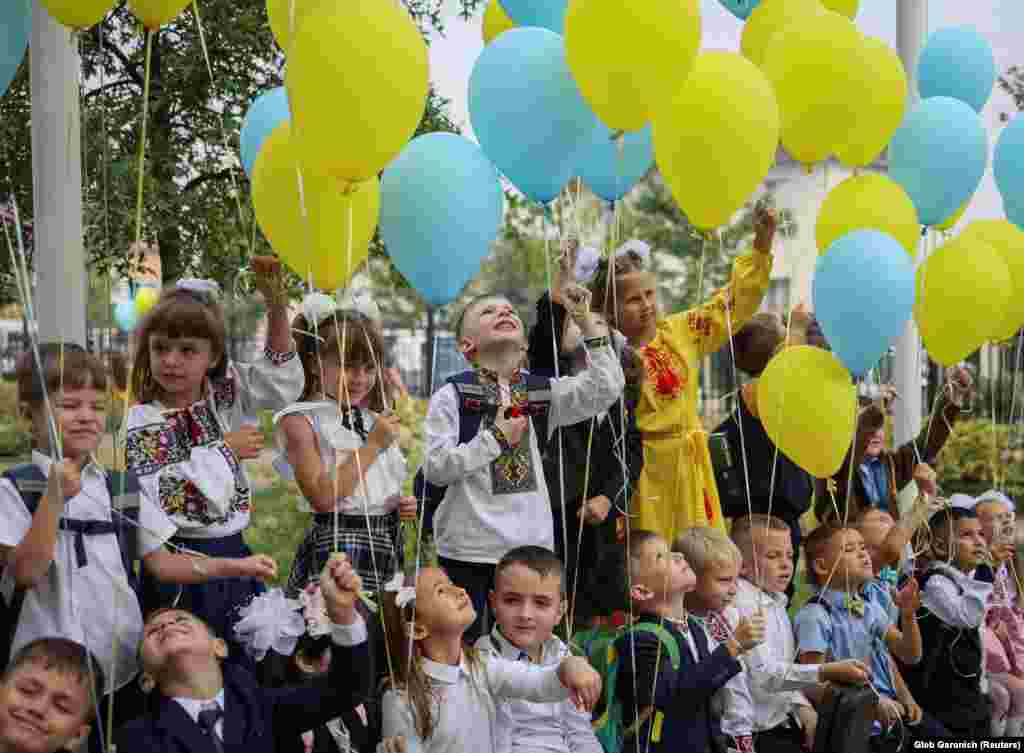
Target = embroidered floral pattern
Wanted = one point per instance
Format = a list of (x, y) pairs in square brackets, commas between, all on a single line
[(225, 392), (278, 359), (717, 628), (512, 471), (709, 509), (664, 371), (151, 447)]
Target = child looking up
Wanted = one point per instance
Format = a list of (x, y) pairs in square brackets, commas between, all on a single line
[(483, 430), (196, 421), (677, 485), (446, 695)]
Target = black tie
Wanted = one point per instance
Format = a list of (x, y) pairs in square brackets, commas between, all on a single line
[(209, 715)]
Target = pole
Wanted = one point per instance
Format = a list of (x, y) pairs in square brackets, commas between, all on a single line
[(912, 28), (59, 256)]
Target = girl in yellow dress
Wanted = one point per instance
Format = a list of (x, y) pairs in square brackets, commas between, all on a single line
[(677, 485)]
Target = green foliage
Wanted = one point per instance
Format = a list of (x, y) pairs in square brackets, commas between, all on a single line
[(1012, 82), (980, 456), (14, 440)]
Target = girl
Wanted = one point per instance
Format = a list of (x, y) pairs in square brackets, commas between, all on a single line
[(343, 456), (444, 695), (193, 425), (677, 487)]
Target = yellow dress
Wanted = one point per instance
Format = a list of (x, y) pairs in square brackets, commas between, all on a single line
[(677, 488)]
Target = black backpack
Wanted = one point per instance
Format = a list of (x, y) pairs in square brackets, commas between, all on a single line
[(474, 404), (123, 488)]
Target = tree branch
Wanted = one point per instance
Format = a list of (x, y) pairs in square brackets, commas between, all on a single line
[(205, 178), (132, 69), (112, 85)]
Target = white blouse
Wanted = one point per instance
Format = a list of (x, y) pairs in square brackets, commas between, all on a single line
[(380, 489), (181, 458)]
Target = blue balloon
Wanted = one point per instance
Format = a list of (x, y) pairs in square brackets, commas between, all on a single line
[(957, 62), (547, 14), (1008, 169), (939, 155), (15, 29), (527, 113), (441, 206), (740, 8), (267, 112), (610, 174), (863, 296), (125, 317)]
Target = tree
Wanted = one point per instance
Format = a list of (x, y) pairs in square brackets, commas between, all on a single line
[(1012, 82)]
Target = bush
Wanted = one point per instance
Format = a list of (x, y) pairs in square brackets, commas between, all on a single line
[(14, 440), (980, 456)]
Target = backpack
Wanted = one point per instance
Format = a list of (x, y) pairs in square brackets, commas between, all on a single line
[(598, 645), (474, 405), (123, 488)]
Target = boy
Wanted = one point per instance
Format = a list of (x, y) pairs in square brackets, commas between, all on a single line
[(48, 697), (782, 719), (70, 531), (480, 443), (528, 600), (949, 679), (840, 623), (669, 708), (203, 706)]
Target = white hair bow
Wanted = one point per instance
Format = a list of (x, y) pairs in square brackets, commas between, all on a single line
[(587, 259), (205, 289), (994, 495), (362, 302), (641, 249), (270, 621), (963, 501), (404, 595), (316, 307)]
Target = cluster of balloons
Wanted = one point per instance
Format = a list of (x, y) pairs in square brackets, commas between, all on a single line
[(128, 313), (83, 14), (15, 29), (1008, 168)]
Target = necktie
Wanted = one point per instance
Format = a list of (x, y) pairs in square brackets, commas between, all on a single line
[(209, 715)]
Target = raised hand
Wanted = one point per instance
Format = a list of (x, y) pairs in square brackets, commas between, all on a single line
[(246, 443)]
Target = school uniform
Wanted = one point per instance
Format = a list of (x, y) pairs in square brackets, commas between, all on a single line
[(527, 727), (465, 702), (246, 717), (181, 458)]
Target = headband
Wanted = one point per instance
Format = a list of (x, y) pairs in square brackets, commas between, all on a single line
[(404, 595), (207, 291), (587, 259)]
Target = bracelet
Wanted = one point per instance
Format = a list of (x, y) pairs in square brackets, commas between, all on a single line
[(597, 342)]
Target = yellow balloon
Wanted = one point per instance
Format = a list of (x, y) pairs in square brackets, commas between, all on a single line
[(146, 299), (814, 434), (279, 16), (78, 14), (848, 8), (868, 202), (950, 222), (496, 21), (357, 84), (769, 18), (878, 96), (316, 247), (155, 13), (963, 297), (1008, 241), (656, 44), (811, 65), (716, 139)]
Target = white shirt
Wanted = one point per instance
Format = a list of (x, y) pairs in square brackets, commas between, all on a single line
[(465, 703), (962, 607), (476, 523), (732, 702), (181, 458), (90, 604), (527, 727), (380, 489), (775, 677)]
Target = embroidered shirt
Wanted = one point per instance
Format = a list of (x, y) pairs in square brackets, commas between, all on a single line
[(497, 498), (88, 604), (337, 437), (180, 455)]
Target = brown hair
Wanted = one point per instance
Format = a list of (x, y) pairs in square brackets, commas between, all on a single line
[(117, 365), (603, 299), (178, 313), (64, 366), (542, 561), (757, 341), (816, 547), (68, 658), (743, 528), (362, 341)]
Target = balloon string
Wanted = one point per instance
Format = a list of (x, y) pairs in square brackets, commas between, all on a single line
[(142, 138), (1013, 394)]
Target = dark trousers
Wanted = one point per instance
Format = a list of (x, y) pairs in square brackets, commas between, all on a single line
[(477, 578), (786, 738), (129, 704), (901, 739)]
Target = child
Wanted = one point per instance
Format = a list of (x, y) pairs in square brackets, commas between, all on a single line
[(589, 453), (668, 707), (48, 697), (677, 487), (528, 600), (782, 719), (840, 623), (196, 421), (445, 695), (70, 531), (479, 440), (344, 457)]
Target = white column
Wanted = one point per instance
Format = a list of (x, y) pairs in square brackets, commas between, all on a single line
[(912, 28), (61, 288)]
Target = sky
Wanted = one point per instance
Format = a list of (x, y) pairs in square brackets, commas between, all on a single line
[(1000, 21)]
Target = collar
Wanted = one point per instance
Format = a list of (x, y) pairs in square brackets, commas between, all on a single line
[(445, 673), (760, 596), (507, 650), (839, 599), (490, 375), (44, 463), (193, 706)]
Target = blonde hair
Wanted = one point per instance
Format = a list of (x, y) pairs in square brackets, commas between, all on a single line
[(705, 547), (743, 530)]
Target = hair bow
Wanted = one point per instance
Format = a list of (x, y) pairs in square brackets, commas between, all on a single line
[(638, 247), (316, 307), (361, 302), (270, 622), (205, 290), (404, 595), (586, 264), (994, 495)]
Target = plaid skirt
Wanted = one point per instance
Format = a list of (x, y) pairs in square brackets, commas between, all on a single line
[(374, 548)]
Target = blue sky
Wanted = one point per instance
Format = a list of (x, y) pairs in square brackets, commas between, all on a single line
[(1001, 21)]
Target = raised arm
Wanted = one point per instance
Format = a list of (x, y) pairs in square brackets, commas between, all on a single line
[(30, 558)]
